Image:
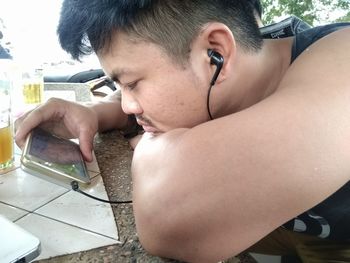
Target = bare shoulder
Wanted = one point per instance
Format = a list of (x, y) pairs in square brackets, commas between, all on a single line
[(289, 147), (324, 64), (258, 163)]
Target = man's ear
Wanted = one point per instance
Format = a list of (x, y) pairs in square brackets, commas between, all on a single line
[(219, 38)]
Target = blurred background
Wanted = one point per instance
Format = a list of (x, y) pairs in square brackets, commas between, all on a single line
[(29, 28), (29, 33)]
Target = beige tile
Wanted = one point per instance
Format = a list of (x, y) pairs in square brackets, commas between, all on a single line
[(81, 90), (61, 94), (26, 191), (11, 213), (15, 165), (58, 238), (93, 174), (81, 211)]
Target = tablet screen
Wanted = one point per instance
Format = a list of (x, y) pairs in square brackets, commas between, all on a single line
[(57, 153)]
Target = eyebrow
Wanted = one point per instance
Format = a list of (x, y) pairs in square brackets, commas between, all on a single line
[(117, 74)]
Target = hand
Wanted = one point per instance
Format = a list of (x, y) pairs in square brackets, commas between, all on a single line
[(134, 141), (62, 118)]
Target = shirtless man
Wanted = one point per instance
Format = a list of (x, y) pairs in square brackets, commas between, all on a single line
[(241, 134)]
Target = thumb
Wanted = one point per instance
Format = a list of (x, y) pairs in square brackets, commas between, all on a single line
[(86, 145)]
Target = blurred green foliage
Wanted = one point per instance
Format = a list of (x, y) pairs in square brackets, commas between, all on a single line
[(311, 11)]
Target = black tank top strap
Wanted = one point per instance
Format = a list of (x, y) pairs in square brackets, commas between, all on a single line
[(304, 39)]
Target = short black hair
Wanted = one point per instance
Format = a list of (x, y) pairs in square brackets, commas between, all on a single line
[(88, 26)]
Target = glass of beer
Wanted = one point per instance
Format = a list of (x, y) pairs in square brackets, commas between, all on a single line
[(33, 86), (6, 127)]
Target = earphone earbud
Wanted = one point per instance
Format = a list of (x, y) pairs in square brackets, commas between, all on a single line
[(218, 60)]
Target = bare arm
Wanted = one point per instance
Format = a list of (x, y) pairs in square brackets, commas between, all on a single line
[(218, 188), (109, 112), (73, 120)]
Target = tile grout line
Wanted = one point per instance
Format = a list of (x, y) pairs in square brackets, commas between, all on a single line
[(22, 209), (37, 207), (99, 174), (65, 223), (94, 171), (67, 191), (34, 211), (78, 227)]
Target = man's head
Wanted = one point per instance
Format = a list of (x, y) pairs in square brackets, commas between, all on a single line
[(172, 24), (157, 51)]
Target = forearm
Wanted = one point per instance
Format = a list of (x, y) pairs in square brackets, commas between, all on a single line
[(109, 113)]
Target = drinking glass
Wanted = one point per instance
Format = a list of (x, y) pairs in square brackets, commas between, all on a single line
[(6, 127)]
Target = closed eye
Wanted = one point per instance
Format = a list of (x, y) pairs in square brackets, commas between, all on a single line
[(131, 85)]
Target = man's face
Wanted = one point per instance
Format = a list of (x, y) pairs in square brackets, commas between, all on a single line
[(162, 94)]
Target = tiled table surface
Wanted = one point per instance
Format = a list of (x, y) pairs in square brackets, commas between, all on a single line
[(65, 221), (113, 155)]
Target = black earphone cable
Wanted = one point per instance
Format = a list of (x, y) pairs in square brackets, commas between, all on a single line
[(218, 60), (208, 100), (75, 187)]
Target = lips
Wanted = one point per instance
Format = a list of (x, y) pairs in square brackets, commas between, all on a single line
[(150, 129), (146, 127)]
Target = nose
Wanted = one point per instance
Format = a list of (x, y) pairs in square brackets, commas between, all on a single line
[(130, 105)]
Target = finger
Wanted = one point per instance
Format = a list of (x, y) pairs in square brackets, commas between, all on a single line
[(134, 141), (86, 144), (34, 118), (17, 124)]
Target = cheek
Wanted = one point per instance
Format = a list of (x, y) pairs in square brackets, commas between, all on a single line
[(178, 106)]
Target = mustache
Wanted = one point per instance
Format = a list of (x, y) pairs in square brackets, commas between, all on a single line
[(144, 120)]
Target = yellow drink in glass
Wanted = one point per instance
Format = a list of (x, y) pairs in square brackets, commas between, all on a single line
[(6, 132), (33, 92), (6, 147), (33, 86)]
